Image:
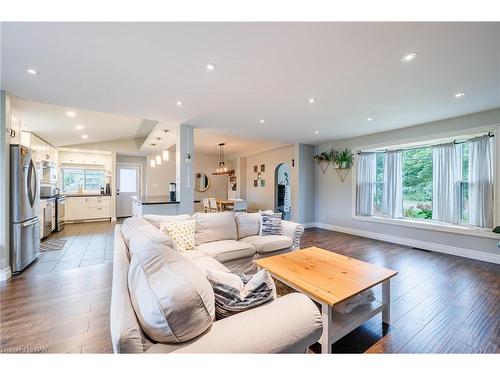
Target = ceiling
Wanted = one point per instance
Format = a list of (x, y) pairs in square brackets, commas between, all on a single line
[(52, 124), (263, 71)]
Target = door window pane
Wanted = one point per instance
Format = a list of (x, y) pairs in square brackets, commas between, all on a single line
[(128, 180)]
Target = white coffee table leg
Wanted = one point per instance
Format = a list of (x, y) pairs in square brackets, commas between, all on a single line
[(386, 300), (326, 341)]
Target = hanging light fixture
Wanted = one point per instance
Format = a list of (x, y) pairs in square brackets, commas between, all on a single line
[(158, 156), (222, 169), (166, 155), (152, 162)]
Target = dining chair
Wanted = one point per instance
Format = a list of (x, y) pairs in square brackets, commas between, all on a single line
[(213, 205), (240, 205), (206, 205)]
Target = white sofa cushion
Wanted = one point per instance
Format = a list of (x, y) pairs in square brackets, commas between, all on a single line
[(266, 244), (134, 226), (212, 227), (172, 299), (227, 250), (156, 220), (248, 224)]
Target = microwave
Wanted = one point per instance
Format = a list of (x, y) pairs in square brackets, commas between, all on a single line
[(49, 174)]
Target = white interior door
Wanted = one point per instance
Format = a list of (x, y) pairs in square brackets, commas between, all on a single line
[(128, 184)]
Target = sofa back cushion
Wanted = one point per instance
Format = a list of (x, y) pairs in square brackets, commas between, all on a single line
[(248, 224), (217, 226), (172, 299), (156, 220), (134, 226)]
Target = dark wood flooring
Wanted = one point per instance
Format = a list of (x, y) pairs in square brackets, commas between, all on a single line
[(440, 304)]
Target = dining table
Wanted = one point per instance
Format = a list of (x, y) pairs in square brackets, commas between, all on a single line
[(225, 204)]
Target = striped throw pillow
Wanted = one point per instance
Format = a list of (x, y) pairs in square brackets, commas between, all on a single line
[(270, 223)]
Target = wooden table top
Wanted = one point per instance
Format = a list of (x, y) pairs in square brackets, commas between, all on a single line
[(224, 201), (324, 275)]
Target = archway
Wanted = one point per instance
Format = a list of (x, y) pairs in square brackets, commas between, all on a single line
[(283, 190)]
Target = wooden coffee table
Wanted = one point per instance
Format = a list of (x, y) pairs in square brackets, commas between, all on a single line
[(329, 279)]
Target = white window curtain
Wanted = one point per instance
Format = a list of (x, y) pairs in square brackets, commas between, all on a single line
[(392, 193), (481, 182), (365, 183), (446, 177)]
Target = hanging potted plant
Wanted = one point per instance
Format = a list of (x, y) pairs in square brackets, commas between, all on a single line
[(343, 162), (324, 159), (343, 159)]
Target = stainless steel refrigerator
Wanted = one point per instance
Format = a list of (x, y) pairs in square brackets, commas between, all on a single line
[(24, 208)]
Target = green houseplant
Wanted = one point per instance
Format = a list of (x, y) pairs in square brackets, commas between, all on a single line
[(343, 159), (324, 159)]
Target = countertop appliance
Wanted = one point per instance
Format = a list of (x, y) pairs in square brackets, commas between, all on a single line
[(24, 208), (60, 213)]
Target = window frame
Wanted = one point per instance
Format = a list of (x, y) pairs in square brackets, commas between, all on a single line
[(84, 170), (462, 228)]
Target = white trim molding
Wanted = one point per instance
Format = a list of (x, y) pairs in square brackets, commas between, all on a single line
[(432, 246), (5, 274), (309, 225)]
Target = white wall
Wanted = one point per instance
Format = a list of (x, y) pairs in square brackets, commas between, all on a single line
[(334, 198), (262, 198), (206, 163), (5, 118)]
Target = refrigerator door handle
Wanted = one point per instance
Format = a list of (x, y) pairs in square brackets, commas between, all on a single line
[(31, 222)]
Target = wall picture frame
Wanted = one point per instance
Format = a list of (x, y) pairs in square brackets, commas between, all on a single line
[(255, 183), (262, 167), (259, 176), (255, 168), (262, 183)]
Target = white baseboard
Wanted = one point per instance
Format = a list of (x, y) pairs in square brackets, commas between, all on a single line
[(309, 225), (432, 246), (5, 274)]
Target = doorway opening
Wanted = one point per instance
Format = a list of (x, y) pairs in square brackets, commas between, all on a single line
[(128, 184), (282, 192)]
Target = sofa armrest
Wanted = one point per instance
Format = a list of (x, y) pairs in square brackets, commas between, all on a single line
[(294, 231), (289, 324)]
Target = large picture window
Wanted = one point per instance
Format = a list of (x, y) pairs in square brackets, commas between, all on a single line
[(89, 180), (435, 177)]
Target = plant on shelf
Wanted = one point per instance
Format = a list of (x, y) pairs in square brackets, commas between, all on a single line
[(343, 159), (324, 159)]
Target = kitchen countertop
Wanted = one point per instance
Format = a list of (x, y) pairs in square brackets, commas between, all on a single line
[(155, 199), (85, 195)]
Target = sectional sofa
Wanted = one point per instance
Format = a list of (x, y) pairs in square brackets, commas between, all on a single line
[(224, 241)]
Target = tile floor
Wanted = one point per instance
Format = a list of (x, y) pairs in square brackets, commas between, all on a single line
[(87, 244)]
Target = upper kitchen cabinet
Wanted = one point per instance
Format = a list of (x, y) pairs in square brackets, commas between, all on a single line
[(45, 152)]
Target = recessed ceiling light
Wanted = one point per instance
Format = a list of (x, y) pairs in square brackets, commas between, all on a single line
[(70, 114), (179, 103), (459, 94), (85, 136), (79, 127), (261, 121), (32, 71), (210, 67), (409, 57), (312, 100), (369, 119), (316, 132)]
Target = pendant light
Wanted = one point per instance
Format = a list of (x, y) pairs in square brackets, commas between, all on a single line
[(158, 156), (152, 162), (166, 155), (222, 169)]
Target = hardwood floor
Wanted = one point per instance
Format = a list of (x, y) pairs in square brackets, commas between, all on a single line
[(440, 304)]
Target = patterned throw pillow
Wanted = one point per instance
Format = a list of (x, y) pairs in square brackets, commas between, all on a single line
[(235, 293), (270, 223), (181, 233)]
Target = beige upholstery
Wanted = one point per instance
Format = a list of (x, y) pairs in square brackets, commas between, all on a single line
[(126, 333), (136, 225), (289, 324), (267, 244), (208, 263), (227, 250), (157, 219), (212, 227), (172, 299), (248, 224)]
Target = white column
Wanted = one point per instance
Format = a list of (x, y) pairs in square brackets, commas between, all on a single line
[(184, 163), (5, 118)]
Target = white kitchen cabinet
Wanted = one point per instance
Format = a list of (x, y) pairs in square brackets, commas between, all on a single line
[(44, 151), (88, 208)]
